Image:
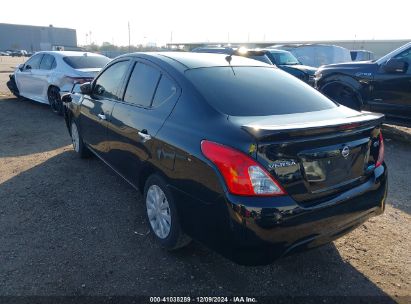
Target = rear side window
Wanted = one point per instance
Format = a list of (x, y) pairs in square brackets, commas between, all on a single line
[(86, 62), (34, 61), (256, 91), (47, 62), (165, 90), (108, 84), (142, 85)]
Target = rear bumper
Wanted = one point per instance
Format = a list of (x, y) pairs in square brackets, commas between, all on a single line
[(263, 234), (255, 231)]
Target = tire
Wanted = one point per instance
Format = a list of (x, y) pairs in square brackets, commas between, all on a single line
[(54, 98), (78, 145), (161, 214), (343, 95), (11, 84)]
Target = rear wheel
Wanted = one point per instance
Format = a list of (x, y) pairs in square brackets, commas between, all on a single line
[(77, 141), (55, 102), (162, 214), (343, 95)]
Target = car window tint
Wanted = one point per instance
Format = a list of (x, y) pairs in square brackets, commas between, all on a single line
[(406, 55), (142, 84), (262, 58), (256, 91), (108, 83), (165, 90), (54, 64), (47, 62), (86, 61), (34, 61)]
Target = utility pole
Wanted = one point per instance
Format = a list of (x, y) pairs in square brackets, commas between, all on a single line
[(171, 37), (129, 44)]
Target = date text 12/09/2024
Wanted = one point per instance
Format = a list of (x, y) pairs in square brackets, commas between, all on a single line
[(238, 299)]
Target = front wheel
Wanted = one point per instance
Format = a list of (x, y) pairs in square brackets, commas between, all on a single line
[(343, 95), (55, 102), (78, 144), (11, 84), (162, 214)]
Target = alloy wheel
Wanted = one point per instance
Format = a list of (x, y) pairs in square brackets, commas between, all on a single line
[(75, 137), (55, 100), (158, 211)]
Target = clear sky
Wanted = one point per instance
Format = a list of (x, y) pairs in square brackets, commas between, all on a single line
[(210, 20)]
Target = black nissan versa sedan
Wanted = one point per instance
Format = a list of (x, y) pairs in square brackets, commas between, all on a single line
[(231, 152)]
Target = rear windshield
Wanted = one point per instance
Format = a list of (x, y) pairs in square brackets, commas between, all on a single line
[(86, 62), (256, 91)]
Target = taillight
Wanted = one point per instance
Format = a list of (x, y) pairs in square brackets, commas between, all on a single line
[(242, 175), (380, 158)]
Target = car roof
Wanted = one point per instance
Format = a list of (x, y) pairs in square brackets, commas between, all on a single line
[(188, 60), (68, 53)]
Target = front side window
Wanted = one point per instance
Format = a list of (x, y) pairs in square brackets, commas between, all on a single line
[(34, 62), (47, 62), (109, 82), (142, 85), (284, 58), (406, 55)]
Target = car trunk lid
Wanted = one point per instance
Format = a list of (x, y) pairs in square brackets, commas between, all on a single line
[(316, 155), (89, 72)]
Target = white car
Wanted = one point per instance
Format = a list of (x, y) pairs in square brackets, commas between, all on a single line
[(45, 74)]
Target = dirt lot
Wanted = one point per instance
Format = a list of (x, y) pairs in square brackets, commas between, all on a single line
[(72, 227)]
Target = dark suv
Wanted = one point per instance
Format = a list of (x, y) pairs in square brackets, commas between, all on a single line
[(383, 85), (288, 62)]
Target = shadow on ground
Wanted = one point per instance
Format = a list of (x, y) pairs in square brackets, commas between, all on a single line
[(28, 127), (72, 227)]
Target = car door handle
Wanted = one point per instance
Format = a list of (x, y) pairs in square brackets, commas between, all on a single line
[(102, 116), (144, 135)]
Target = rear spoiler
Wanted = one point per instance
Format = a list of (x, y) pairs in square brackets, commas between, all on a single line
[(366, 120)]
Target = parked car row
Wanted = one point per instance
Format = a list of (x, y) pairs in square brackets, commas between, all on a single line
[(227, 150), (16, 53)]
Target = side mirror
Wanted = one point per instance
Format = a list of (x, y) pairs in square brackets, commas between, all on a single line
[(66, 98), (21, 67), (395, 66), (85, 88)]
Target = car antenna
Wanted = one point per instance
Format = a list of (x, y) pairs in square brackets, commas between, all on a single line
[(228, 58)]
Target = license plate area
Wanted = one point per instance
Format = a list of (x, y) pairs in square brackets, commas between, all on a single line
[(328, 167)]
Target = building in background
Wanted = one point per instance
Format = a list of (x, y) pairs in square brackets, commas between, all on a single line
[(36, 38)]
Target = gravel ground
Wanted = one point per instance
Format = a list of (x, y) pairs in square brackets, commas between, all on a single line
[(72, 227)]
